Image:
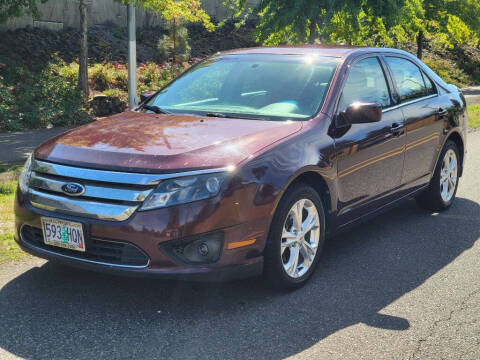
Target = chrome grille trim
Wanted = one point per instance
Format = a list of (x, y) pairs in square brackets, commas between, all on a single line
[(81, 207), (113, 176), (116, 193), (109, 195)]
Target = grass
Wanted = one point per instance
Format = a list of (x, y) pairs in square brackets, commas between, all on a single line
[(473, 115), (9, 250)]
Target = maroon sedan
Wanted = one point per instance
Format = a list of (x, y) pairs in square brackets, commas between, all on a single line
[(245, 164)]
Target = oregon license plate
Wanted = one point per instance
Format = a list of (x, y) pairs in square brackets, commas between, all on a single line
[(61, 233)]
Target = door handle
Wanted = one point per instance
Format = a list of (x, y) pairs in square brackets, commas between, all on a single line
[(396, 129), (441, 112)]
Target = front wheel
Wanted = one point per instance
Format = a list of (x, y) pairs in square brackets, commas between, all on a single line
[(442, 189), (296, 238)]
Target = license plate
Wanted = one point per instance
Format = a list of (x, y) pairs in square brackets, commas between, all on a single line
[(64, 234)]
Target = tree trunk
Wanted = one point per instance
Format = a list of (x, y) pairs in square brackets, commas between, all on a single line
[(313, 31), (83, 71), (174, 32), (420, 45)]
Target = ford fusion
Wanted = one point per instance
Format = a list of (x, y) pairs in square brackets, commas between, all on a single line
[(244, 164)]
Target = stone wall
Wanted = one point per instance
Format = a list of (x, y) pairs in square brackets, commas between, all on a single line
[(59, 14)]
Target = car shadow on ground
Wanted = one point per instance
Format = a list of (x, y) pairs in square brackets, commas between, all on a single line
[(58, 312)]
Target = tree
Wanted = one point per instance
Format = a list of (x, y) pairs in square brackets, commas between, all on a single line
[(306, 21), (175, 44), (176, 13), (362, 28), (187, 10), (410, 24), (171, 10), (298, 21), (18, 8), (445, 23), (453, 23), (83, 69)]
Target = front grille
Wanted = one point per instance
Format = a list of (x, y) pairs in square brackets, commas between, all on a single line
[(106, 195), (96, 250)]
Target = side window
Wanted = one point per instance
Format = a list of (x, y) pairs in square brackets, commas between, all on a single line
[(407, 77), (365, 83), (429, 88)]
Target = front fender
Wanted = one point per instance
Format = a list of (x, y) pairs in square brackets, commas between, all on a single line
[(311, 151)]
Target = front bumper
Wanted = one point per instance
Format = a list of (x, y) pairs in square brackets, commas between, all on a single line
[(151, 231), (252, 268)]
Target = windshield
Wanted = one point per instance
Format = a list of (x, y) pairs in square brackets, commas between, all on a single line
[(276, 87)]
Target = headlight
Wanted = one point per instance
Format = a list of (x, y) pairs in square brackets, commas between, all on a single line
[(184, 190), (24, 178)]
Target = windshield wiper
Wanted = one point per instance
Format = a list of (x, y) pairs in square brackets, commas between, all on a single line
[(239, 116), (217, 114), (155, 109)]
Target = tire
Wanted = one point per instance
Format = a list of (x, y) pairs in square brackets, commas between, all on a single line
[(281, 251), (435, 198)]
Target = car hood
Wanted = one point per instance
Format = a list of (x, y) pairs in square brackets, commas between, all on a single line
[(136, 141)]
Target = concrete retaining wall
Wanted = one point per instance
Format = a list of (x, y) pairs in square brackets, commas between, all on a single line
[(59, 14)]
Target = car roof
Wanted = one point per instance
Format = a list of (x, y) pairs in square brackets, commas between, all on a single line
[(325, 50)]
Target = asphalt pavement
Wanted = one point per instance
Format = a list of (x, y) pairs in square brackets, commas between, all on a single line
[(405, 285), (17, 145), (472, 94)]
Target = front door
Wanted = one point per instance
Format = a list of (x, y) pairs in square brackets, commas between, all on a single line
[(370, 156)]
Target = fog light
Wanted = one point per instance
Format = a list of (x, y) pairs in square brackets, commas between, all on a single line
[(203, 249), (199, 250)]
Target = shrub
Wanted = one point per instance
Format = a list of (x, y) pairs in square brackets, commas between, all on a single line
[(108, 76), (62, 99), (8, 108), (69, 72), (120, 78), (468, 59), (178, 50), (100, 76), (152, 76), (117, 94), (49, 97), (448, 71)]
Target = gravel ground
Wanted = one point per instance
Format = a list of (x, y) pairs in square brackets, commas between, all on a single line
[(405, 285)]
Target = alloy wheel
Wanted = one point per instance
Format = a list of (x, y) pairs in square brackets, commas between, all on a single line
[(300, 238), (448, 175)]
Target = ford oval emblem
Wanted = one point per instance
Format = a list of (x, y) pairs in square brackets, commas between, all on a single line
[(73, 189)]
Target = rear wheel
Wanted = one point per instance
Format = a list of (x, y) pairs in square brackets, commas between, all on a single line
[(296, 238), (441, 192)]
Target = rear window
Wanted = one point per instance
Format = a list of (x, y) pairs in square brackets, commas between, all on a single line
[(408, 78), (429, 88)]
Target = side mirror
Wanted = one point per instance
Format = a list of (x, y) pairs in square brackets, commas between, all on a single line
[(146, 95), (361, 113)]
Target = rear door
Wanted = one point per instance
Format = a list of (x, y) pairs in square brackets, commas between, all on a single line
[(369, 156), (422, 110)]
